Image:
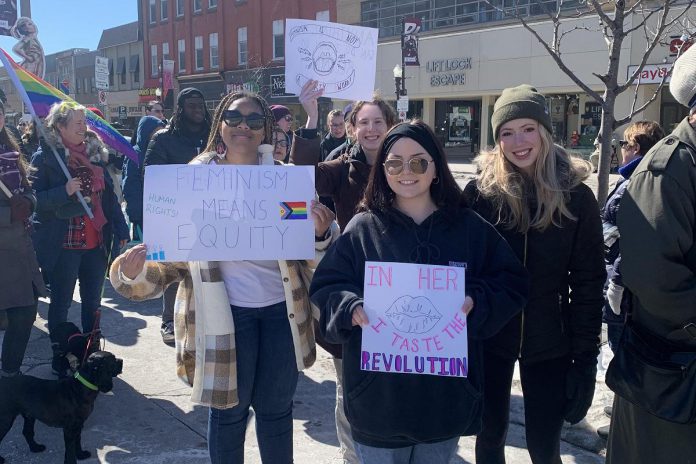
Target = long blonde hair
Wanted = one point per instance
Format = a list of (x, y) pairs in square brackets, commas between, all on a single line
[(555, 174)]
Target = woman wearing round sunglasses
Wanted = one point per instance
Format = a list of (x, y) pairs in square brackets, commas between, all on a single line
[(252, 361), (411, 214)]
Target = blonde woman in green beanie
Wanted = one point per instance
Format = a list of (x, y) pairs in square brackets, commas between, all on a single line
[(532, 192)]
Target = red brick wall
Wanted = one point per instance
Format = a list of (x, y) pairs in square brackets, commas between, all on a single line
[(256, 15)]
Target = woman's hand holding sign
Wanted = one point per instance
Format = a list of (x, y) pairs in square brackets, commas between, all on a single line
[(468, 305), (322, 217)]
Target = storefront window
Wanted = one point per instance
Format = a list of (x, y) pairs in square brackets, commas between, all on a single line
[(591, 120), (457, 123), (671, 112)]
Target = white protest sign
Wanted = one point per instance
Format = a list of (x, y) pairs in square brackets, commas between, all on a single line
[(340, 57), (416, 323), (228, 213)]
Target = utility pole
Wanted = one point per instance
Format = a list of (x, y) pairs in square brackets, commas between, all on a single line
[(25, 8)]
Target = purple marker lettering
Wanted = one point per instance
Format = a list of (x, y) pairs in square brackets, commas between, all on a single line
[(406, 368), (387, 361), (443, 366), (365, 361), (375, 361), (420, 366), (397, 363), (432, 360), (396, 339)]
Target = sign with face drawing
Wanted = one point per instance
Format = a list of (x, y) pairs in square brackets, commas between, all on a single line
[(416, 323), (340, 57)]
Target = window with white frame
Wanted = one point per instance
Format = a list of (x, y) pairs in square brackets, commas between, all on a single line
[(197, 6), (164, 9), (198, 44), (212, 4), (242, 52), (165, 51), (154, 62), (278, 39), (214, 57), (180, 7), (323, 15), (153, 12), (181, 48)]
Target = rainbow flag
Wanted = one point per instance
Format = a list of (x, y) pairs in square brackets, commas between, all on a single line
[(293, 210), (39, 96)]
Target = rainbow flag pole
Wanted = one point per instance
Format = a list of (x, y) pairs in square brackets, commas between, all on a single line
[(11, 68)]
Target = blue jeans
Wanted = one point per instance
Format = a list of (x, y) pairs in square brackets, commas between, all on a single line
[(90, 267), (424, 453), (266, 380)]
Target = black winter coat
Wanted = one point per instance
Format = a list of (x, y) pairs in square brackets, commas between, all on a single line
[(175, 147), (54, 208), (566, 266)]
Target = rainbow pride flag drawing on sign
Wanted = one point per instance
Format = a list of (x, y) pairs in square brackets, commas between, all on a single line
[(40, 96), (293, 210)]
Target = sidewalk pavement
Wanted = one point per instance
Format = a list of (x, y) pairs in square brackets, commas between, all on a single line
[(148, 417)]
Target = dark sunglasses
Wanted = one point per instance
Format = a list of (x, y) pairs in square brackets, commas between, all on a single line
[(288, 118), (234, 118), (623, 143), (395, 166)]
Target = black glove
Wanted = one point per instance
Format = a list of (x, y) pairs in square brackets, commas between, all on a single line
[(580, 386), (20, 208)]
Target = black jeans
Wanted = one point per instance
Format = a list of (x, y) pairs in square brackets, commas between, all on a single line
[(19, 323), (543, 388)]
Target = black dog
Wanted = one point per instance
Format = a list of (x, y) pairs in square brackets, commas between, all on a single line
[(64, 403)]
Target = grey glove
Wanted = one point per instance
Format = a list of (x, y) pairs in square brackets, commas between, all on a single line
[(614, 297)]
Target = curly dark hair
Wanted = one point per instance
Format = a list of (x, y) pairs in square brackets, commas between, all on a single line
[(214, 138)]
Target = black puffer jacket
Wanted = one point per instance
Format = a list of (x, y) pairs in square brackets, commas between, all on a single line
[(175, 147), (566, 266)]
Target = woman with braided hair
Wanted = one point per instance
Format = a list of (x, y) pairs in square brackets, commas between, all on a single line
[(246, 345)]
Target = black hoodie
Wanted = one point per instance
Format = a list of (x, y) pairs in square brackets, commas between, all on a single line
[(389, 410)]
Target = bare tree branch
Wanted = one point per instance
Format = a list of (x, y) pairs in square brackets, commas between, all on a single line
[(652, 43)]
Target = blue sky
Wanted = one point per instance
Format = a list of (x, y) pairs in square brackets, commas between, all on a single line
[(67, 24)]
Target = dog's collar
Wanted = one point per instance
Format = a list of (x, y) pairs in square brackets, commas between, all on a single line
[(86, 382)]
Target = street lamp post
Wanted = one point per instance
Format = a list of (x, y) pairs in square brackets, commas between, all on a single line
[(398, 78)]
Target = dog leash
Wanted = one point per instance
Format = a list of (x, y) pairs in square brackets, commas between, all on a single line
[(92, 336)]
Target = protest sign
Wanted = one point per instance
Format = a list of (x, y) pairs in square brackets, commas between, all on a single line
[(228, 213), (342, 58), (416, 323)]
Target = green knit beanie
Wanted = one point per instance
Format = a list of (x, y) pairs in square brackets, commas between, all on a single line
[(523, 101)]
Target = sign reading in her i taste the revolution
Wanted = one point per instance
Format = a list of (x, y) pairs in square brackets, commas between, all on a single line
[(416, 323), (228, 213)]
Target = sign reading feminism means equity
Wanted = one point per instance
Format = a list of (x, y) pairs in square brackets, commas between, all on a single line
[(221, 213), (340, 57), (416, 323)]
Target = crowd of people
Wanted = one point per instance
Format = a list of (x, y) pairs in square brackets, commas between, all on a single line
[(544, 268)]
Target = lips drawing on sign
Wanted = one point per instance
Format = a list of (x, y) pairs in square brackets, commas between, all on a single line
[(413, 314)]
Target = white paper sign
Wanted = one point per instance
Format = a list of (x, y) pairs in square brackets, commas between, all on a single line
[(221, 213), (342, 58), (416, 323)]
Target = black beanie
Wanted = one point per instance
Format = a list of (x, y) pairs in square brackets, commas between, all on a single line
[(523, 101), (188, 92)]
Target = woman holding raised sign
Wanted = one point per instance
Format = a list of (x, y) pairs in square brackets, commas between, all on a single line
[(411, 214), (243, 329), (532, 191)]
